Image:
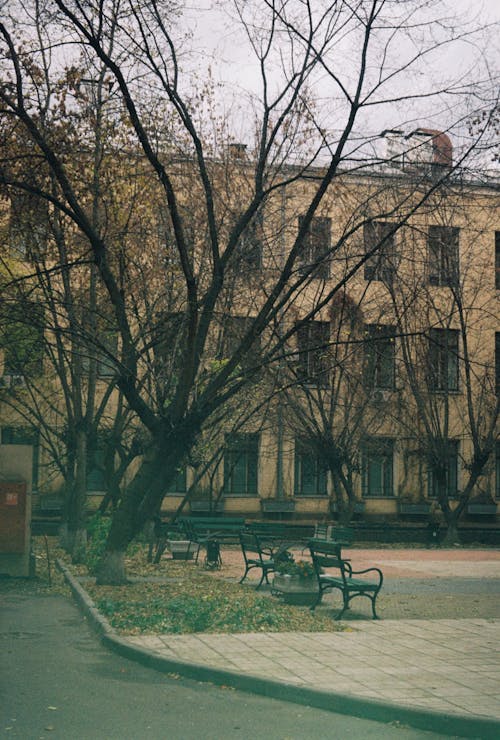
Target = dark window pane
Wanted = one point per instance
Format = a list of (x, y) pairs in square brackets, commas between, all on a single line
[(380, 357), (497, 260), (450, 473), (443, 360), (316, 245), (382, 264), (21, 338), (443, 255), (313, 340), (310, 472), (377, 467), (240, 464), (497, 363)]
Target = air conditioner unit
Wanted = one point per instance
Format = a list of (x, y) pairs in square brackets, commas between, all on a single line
[(380, 396)]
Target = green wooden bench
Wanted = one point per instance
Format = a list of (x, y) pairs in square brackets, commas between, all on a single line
[(333, 572), (221, 527), (281, 532)]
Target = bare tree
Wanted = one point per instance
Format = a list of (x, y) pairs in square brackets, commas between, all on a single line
[(141, 47), (444, 312)]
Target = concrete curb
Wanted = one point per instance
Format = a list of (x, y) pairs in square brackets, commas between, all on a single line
[(448, 724)]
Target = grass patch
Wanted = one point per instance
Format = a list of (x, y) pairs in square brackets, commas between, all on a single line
[(200, 604)]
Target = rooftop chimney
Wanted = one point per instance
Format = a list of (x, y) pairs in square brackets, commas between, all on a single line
[(237, 151)]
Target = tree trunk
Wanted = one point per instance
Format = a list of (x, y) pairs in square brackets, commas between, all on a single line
[(76, 521), (141, 500)]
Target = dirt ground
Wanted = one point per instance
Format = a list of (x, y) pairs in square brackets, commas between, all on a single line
[(418, 583)]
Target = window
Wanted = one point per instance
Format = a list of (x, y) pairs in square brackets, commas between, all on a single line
[(96, 454), (497, 468), (104, 350), (316, 246), (377, 467), (443, 255), (381, 265), (233, 331), (310, 471), (380, 357), (249, 247), (497, 363), (240, 464), (313, 340), (21, 338), (28, 226), (24, 436), (167, 337), (497, 260), (179, 482), (443, 360), (450, 473)]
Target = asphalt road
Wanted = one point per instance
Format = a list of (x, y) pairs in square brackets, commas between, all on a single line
[(58, 682)]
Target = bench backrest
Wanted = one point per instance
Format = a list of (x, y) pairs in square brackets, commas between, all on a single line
[(342, 535), (326, 554), (250, 547)]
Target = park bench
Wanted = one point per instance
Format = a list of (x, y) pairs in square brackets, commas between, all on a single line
[(276, 534), (341, 535), (223, 527), (255, 555), (333, 572)]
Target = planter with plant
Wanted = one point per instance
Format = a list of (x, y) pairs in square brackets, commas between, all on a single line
[(296, 582), (180, 547)]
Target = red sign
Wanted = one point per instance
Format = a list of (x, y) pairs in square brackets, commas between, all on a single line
[(11, 499)]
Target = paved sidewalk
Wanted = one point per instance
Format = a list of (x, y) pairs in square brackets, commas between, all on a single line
[(449, 666), (438, 674)]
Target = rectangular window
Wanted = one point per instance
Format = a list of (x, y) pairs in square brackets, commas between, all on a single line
[(96, 475), (28, 226), (443, 360), (310, 471), (450, 473), (497, 469), (377, 467), (313, 340), (382, 264), (443, 255), (233, 331), (380, 357), (316, 246), (179, 483), (24, 436), (104, 350), (241, 458), (497, 363), (21, 338), (249, 247), (497, 260)]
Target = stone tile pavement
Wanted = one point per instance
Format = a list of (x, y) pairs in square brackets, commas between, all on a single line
[(434, 673), (447, 665)]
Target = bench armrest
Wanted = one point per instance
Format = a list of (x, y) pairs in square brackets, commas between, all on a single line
[(367, 570)]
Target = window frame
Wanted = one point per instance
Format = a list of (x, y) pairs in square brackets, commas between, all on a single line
[(441, 359), (317, 242), (383, 449), (240, 455), (304, 454), (313, 368), (443, 255), (380, 349), (453, 472), (381, 265), (497, 260)]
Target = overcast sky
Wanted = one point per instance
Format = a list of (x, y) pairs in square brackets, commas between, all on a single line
[(219, 42)]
